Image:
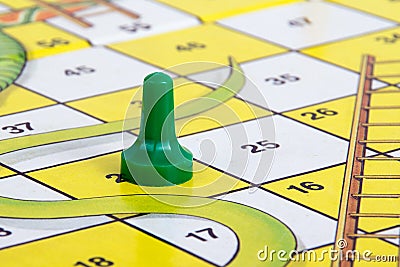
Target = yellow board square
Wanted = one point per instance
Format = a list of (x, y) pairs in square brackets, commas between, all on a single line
[(333, 116), (387, 9), (321, 190), (325, 197), (21, 4), (18, 4), (385, 115), (209, 10), (380, 186), (210, 43), (5, 172), (75, 179), (114, 106), (336, 117), (377, 248), (41, 39), (96, 246), (384, 45), (16, 99)]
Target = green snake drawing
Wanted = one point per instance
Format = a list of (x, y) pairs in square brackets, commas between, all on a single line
[(12, 60)]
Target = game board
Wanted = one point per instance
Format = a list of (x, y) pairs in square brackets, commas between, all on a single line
[(269, 95)]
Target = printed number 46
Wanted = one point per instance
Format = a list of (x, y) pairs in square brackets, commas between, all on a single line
[(190, 46)]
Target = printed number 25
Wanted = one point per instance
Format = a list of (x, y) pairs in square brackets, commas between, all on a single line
[(260, 146)]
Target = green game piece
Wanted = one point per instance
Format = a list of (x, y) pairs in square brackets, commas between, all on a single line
[(156, 158)]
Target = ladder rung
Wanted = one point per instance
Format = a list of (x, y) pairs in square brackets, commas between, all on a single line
[(374, 236), (381, 107), (380, 124), (64, 13), (68, 15), (377, 158), (375, 215), (96, 13), (377, 195), (382, 141), (382, 91), (387, 61), (384, 76), (117, 8), (377, 176)]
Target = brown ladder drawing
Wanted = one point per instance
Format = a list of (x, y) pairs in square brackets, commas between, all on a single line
[(79, 20), (352, 194)]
